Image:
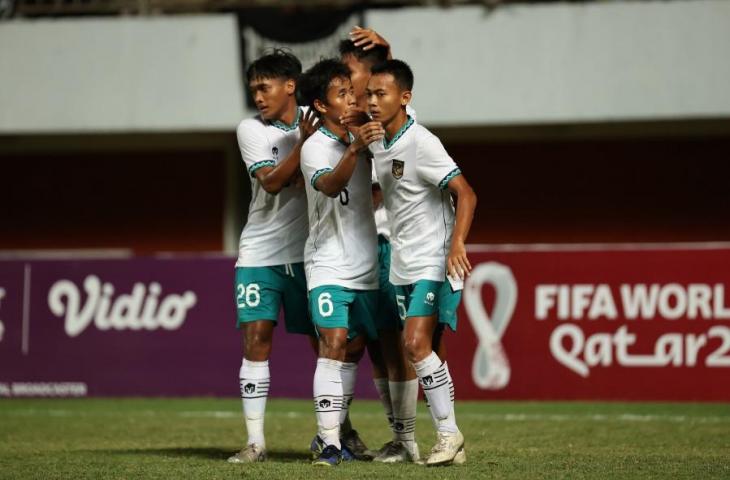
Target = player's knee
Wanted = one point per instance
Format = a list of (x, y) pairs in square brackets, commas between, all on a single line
[(353, 355), (356, 349), (416, 346), (257, 346), (333, 347)]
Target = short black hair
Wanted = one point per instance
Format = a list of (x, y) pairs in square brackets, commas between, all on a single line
[(313, 83), (400, 70), (375, 55), (277, 64)]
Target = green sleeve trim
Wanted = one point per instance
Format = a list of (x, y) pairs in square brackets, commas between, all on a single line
[(445, 182), (318, 174), (264, 163)]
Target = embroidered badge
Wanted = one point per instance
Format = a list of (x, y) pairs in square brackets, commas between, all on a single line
[(397, 169)]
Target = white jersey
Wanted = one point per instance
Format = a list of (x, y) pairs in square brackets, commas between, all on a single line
[(414, 169), (276, 228), (382, 220), (342, 247)]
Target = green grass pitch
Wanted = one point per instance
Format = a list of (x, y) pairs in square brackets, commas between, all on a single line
[(191, 438)]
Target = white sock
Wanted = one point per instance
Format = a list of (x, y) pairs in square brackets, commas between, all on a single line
[(451, 420), (254, 381), (405, 397), (438, 388), (349, 376), (328, 400), (383, 387)]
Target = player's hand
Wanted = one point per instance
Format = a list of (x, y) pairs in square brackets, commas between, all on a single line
[(354, 117), (367, 38), (308, 125), (457, 263), (367, 134)]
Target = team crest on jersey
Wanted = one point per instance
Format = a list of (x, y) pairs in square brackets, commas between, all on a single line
[(275, 153), (397, 169)]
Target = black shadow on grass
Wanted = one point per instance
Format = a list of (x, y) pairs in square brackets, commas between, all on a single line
[(205, 453)]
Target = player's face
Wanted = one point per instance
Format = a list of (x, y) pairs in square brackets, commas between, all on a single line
[(385, 98), (340, 98), (359, 75), (271, 96)]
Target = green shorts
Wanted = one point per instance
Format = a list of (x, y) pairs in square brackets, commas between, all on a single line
[(333, 306), (261, 292), (387, 317), (426, 298)]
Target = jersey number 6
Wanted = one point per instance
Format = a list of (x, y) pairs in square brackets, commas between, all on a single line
[(324, 302)]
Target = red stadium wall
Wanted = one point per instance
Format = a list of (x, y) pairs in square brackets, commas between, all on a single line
[(626, 322), (144, 201), (590, 191), (152, 200), (529, 192)]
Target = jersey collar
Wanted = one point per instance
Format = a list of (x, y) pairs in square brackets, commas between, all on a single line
[(288, 128), (389, 143), (326, 131)]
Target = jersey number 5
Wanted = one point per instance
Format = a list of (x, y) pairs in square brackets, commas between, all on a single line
[(402, 310), (248, 295)]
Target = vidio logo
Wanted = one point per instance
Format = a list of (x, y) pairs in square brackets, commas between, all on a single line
[(143, 308)]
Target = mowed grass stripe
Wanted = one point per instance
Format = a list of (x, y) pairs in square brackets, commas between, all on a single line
[(191, 438), (506, 417)]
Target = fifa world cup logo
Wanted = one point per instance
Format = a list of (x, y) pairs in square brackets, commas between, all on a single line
[(490, 369)]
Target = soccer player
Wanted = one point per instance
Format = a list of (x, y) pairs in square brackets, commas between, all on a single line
[(341, 250), (393, 375), (270, 270), (418, 176)]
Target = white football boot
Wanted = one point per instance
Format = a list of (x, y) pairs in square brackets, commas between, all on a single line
[(249, 454), (448, 447)]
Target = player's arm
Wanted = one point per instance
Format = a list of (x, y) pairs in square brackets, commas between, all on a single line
[(274, 179), (457, 262), (332, 183), (437, 168)]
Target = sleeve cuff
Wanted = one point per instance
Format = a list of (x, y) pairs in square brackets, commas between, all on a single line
[(264, 163), (445, 181), (318, 174)]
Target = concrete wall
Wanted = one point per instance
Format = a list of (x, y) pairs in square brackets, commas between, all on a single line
[(520, 64), (579, 62), (120, 75)]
